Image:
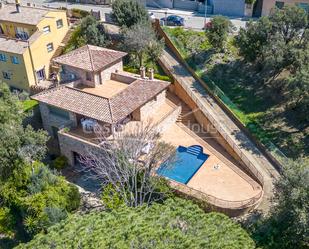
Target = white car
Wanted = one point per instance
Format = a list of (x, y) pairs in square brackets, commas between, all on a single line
[(151, 16)]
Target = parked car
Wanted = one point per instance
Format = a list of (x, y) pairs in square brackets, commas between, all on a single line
[(173, 20)]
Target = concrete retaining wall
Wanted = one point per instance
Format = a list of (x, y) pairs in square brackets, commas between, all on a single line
[(229, 7)]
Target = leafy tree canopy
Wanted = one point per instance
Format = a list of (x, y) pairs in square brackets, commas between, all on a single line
[(31, 196), (218, 30), (141, 41), (175, 224), (287, 226), (129, 12), (17, 144), (89, 32)]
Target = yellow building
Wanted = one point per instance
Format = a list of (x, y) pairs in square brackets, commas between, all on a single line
[(29, 37)]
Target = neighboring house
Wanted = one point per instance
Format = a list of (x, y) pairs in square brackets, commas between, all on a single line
[(265, 6), (101, 94), (29, 38)]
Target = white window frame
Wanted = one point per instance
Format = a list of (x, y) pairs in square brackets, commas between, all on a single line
[(61, 23), (3, 57), (50, 47), (46, 29), (15, 60)]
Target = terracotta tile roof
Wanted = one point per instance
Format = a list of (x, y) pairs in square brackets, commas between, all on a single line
[(27, 15), (90, 58), (103, 109), (134, 96)]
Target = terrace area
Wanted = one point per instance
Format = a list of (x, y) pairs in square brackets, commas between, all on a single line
[(106, 90), (166, 109), (220, 175)]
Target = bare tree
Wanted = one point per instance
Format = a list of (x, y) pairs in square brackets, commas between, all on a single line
[(128, 163)]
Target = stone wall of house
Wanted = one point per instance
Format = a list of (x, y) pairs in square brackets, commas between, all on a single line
[(49, 120), (69, 144), (152, 106), (106, 73)]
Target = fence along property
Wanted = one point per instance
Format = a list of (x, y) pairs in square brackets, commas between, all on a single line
[(272, 152)]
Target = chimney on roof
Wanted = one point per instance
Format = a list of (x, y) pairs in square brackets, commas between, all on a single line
[(17, 3), (151, 73), (143, 72)]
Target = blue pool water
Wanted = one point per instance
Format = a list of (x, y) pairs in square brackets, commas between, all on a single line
[(187, 162)]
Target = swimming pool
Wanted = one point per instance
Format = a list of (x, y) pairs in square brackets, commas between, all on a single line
[(188, 161)]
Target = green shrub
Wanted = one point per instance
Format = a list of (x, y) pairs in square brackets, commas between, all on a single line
[(78, 13), (7, 222), (39, 197), (29, 104), (60, 163), (156, 75)]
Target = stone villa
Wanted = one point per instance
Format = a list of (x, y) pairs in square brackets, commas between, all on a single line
[(94, 89)]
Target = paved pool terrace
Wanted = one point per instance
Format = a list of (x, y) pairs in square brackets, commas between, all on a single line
[(185, 165), (220, 175)]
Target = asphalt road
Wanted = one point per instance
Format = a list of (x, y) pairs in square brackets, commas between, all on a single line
[(193, 20)]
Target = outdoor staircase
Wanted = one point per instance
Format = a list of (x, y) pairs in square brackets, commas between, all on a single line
[(186, 116), (195, 150)]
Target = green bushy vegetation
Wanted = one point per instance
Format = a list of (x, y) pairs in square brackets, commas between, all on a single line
[(60, 163), (261, 76), (32, 197), (286, 227), (91, 32), (129, 12), (29, 104), (78, 13), (175, 224), (159, 73)]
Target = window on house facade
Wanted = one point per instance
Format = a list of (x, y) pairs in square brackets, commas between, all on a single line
[(21, 33), (15, 60), (59, 23), (3, 57), (304, 6), (59, 112), (50, 47), (279, 4), (6, 75), (46, 29)]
